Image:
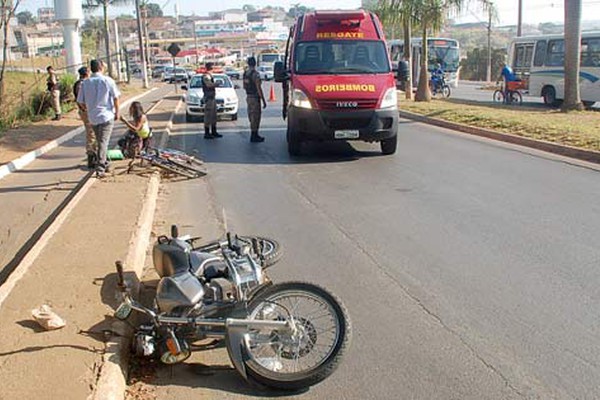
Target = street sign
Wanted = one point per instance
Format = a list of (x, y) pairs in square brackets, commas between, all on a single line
[(174, 49)]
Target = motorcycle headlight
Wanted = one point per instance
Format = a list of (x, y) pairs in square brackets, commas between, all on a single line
[(300, 99), (390, 99)]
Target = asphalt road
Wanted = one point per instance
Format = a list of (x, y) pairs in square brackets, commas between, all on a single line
[(469, 267)]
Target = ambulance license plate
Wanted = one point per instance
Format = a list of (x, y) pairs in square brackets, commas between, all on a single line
[(346, 134)]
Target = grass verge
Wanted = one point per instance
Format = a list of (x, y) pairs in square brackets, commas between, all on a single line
[(577, 129)]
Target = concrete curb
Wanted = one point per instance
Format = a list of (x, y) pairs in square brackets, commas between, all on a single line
[(567, 151), (112, 379), (27, 158)]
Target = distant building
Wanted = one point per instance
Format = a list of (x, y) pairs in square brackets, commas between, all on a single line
[(45, 14)]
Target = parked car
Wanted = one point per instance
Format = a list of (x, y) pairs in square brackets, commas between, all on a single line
[(233, 73), (227, 100), (265, 72), (158, 71), (175, 75)]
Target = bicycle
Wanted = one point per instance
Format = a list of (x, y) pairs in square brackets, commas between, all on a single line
[(160, 159), (513, 91), (169, 160)]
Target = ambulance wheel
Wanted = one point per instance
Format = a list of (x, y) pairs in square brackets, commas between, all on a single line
[(294, 142), (189, 117), (234, 117), (388, 146)]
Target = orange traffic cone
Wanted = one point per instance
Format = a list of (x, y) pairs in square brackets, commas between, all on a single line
[(272, 94)]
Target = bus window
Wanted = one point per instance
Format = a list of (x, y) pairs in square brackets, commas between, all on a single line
[(590, 52), (540, 53), (555, 56)]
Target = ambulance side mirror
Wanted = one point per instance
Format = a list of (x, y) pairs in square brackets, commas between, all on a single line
[(279, 72)]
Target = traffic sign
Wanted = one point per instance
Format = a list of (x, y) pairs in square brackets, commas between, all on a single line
[(174, 49)]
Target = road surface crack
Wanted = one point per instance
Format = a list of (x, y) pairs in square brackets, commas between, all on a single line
[(382, 268)]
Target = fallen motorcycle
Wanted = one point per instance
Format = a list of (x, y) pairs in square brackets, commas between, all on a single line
[(286, 336)]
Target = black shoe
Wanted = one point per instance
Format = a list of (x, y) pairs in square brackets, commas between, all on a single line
[(256, 138), (209, 136), (56, 118), (216, 135)]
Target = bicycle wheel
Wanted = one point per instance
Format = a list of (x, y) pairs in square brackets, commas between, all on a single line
[(180, 156), (171, 167), (197, 168), (516, 98), (498, 96)]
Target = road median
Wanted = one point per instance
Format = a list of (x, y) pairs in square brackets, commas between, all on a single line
[(575, 135)]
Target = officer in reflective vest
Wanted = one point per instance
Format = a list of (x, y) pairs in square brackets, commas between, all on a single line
[(210, 103), (254, 96)]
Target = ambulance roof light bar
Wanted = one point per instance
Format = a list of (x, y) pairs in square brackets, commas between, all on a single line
[(339, 16)]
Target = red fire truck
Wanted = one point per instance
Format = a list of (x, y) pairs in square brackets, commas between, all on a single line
[(337, 81)]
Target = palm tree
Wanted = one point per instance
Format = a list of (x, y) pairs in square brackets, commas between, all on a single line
[(400, 11), (90, 5), (572, 50)]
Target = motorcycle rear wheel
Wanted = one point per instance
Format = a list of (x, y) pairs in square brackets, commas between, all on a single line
[(286, 362)]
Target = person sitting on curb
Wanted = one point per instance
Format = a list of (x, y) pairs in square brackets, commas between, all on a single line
[(138, 125)]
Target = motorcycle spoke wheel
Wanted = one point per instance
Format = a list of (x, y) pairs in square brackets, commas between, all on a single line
[(296, 358)]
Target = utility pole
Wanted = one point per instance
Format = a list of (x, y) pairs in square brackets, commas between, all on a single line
[(141, 43), (146, 37), (196, 43), (489, 45), (520, 19), (572, 54)]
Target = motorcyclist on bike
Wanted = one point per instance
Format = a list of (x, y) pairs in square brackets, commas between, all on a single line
[(437, 78)]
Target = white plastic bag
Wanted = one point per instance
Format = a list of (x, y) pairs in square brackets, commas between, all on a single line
[(47, 318)]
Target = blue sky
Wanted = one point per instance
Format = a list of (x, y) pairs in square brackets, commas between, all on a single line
[(535, 11)]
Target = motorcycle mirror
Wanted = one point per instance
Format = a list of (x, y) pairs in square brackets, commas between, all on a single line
[(174, 231)]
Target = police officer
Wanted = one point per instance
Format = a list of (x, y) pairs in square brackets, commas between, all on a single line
[(254, 96), (210, 104)]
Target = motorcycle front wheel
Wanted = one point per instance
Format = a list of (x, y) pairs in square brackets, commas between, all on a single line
[(296, 359)]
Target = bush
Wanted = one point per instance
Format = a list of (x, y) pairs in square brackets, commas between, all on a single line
[(66, 83)]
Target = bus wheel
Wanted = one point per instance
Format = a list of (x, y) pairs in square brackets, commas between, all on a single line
[(549, 94), (293, 141), (388, 146)]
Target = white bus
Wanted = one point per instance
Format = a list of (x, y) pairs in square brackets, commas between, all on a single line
[(443, 51), (539, 61)]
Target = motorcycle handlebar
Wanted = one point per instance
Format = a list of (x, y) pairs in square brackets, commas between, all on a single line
[(174, 231)]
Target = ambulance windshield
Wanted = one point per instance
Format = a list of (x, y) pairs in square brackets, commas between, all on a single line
[(341, 57)]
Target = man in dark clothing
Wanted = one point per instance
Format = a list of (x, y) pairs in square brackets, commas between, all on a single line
[(91, 147), (210, 103), (254, 96)]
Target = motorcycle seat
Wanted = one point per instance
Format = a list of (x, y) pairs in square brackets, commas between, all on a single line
[(169, 259)]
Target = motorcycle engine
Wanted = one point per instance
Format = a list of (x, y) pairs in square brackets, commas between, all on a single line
[(220, 290)]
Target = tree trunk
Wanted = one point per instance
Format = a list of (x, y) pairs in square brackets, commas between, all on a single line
[(423, 92), (107, 37), (5, 27), (408, 57), (572, 50)]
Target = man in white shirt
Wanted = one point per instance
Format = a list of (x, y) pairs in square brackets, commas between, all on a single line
[(99, 97)]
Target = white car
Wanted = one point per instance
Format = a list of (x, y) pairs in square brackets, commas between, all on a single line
[(227, 99), (265, 72)]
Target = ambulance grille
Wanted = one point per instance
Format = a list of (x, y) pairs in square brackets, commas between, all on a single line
[(347, 104)]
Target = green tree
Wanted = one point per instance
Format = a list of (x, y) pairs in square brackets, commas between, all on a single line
[(25, 18), (153, 10), (474, 66), (92, 5), (572, 50)]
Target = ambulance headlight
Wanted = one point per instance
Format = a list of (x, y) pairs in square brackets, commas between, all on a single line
[(300, 100), (390, 99)]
